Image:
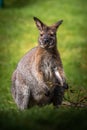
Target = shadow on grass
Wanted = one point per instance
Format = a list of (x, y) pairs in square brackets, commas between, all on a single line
[(40, 119), (18, 3)]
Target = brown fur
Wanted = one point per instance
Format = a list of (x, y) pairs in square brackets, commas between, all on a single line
[(39, 77)]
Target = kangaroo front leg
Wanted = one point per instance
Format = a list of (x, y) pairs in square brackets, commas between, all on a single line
[(58, 76), (61, 78)]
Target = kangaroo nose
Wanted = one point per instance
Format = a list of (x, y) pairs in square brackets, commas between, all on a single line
[(46, 40)]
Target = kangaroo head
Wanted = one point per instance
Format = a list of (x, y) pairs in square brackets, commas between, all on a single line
[(47, 38)]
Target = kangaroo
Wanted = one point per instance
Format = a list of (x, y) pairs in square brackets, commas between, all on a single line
[(39, 78)]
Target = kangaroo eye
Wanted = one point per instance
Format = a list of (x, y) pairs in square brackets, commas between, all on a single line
[(52, 35), (41, 34)]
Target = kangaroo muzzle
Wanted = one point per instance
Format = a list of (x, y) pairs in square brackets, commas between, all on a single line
[(46, 41)]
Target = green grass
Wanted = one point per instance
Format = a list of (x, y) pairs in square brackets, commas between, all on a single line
[(18, 34), (46, 118)]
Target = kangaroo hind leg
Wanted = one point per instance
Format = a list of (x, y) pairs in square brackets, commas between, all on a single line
[(20, 92)]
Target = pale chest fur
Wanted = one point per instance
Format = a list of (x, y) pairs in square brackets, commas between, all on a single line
[(47, 65)]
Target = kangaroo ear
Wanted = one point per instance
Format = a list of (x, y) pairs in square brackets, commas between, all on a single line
[(40, 25), (56, 25)]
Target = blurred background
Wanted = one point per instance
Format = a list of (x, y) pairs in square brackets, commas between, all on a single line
[(18, 34)]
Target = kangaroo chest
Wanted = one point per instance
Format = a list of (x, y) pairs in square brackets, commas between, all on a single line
[(48, 63)]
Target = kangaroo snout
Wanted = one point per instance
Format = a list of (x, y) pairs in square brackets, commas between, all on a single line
[(46, 40)]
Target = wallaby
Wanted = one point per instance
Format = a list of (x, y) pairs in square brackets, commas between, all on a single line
[(39, 78)]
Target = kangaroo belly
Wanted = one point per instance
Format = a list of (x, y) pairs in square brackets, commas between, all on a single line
[(47, 70)]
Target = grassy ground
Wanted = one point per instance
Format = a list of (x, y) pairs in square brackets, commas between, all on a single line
[(18, 34)]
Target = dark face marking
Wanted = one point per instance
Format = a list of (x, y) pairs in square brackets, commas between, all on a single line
[(47, 38)]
